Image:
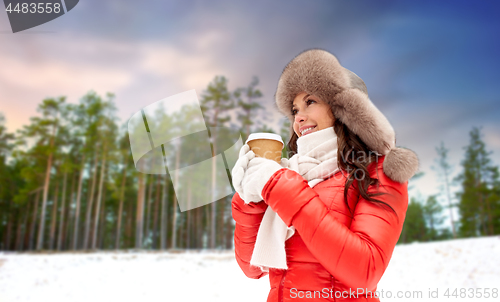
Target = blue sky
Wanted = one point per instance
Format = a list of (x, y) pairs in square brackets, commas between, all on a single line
[(430, 66)]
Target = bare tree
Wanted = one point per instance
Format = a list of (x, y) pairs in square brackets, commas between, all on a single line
[(445, 169)]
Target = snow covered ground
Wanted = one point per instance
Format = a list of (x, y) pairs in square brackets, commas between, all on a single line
[(416, 271), (467, 265)]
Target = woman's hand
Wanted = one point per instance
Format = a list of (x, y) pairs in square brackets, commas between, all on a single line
[(240, 167), (257, 174), (250, 174)]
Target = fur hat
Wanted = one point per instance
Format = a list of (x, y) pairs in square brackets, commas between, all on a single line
[(318, 72)]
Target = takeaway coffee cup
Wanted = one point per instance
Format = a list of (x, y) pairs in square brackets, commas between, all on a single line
[(267, 145)]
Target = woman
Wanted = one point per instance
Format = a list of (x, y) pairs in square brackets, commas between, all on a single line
[(342, 197)]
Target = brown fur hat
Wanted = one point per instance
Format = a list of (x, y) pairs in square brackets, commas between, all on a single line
[(318, 72)]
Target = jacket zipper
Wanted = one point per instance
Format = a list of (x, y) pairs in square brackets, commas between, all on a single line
[(280, 291), (332, 280)]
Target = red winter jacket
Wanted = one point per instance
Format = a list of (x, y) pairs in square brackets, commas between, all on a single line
[(333, 255)]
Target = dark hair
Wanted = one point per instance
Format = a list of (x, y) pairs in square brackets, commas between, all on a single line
[(350, 149)]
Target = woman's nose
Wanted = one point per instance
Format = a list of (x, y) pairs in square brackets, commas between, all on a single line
[(299, 118)]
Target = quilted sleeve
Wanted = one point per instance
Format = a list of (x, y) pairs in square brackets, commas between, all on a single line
[(357, 256), (248, 218)]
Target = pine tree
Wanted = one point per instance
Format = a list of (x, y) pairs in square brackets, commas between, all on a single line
[(247, 106), (494, 199), (432, 214), (215, 104), (44, 130), (125, 156), (5, 139), (414, 228), (479, 205), (107, 131), (6, 193)]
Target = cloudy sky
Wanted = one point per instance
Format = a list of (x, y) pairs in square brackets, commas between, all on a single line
[(430, 66)]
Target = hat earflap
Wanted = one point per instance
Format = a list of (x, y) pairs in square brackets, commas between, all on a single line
[(359, 114), (400, 164)]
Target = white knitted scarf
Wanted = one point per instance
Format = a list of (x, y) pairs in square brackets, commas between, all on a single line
[(316, 160)]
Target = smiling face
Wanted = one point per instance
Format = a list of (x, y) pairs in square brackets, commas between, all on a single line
[(311, 114)]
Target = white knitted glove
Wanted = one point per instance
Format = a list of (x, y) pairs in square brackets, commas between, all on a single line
[(285, 163), (240, 167), (256, 176), (240, 177)]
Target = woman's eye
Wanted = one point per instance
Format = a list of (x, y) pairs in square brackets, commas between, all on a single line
[(310, 102), (294, 112)]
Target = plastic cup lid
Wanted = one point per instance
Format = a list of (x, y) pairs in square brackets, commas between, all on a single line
[(264, 135)]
